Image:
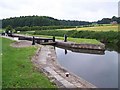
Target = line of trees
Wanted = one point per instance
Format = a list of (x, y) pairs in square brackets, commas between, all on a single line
[(34, 28), (107, 36), (31, 21), (109, 20), (40, 21)]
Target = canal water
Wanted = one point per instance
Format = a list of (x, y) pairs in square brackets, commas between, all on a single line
[(98, 68)]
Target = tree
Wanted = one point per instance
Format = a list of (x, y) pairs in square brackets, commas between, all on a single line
[(40, 21), (9, 28), (114, 18)]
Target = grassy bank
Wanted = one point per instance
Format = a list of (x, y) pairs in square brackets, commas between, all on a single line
[(105, 33), (76, 40), (18, 70), (104, 36), (1, 30)]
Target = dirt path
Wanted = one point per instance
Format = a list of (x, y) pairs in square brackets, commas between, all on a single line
[(22, 44), (19, 43)]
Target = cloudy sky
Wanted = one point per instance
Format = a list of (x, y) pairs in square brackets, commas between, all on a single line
[(86, 10)]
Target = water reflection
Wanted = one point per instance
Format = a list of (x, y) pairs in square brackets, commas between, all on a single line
[(85, 51), (112, 47), (65, 51), (99, 69)]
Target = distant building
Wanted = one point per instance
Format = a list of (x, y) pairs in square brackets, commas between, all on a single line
[(113, 22)]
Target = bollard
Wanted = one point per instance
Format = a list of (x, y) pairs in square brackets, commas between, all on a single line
[(65, 38), (67, 74), (33, 41), (53, 38)]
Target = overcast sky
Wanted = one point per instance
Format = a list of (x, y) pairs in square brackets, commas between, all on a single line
[(86, 10)]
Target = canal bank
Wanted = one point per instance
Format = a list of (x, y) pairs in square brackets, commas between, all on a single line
[(46, 61), (73, 45), (48, 69), (65, 43)]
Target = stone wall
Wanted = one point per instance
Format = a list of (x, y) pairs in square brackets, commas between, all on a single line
[(81, 46)]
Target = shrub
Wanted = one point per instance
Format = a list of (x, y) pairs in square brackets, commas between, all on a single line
[(9, 28)]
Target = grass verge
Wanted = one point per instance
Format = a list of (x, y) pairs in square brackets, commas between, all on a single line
[(76, 40), (18, 70)]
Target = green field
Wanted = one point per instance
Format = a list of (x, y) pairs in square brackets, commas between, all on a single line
[(103, 33), (97, 28), (18, 70)]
